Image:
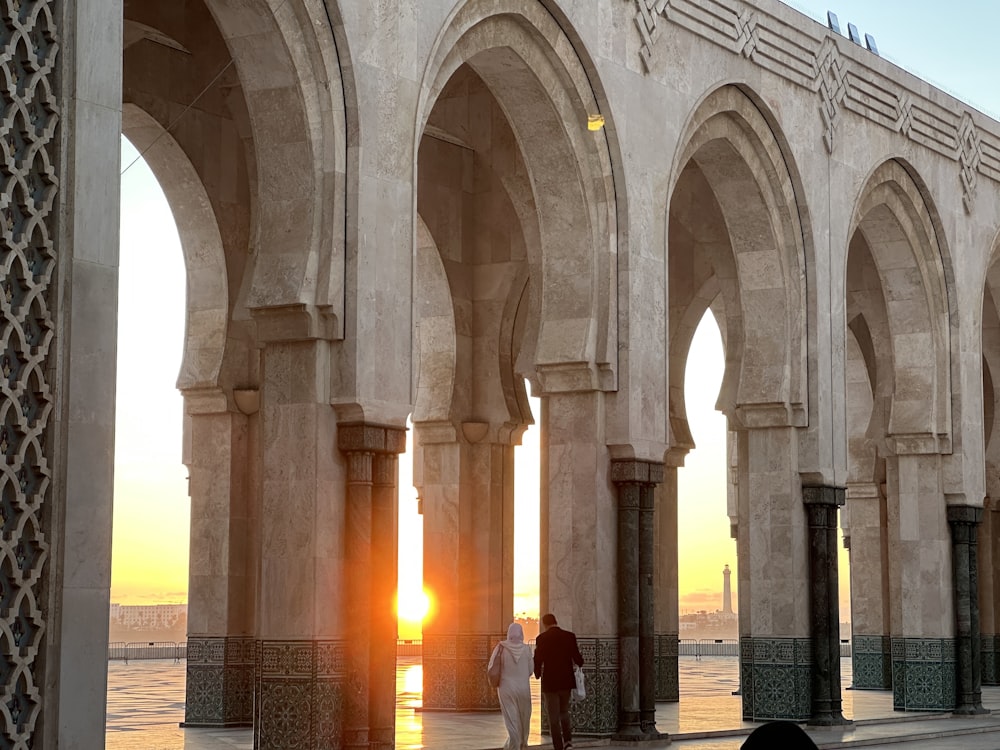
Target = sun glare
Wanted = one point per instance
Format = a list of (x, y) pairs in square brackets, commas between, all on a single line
[(412, 606)]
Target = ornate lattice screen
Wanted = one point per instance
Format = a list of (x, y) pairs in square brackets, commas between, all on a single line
[(28, 186)]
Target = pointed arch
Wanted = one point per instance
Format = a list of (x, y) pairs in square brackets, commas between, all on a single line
[(733, 153), (546, 92), (900, 229)]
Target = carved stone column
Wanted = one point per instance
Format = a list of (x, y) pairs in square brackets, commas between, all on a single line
[(964, 523), (635, 481), (370, 539), (822, 504)]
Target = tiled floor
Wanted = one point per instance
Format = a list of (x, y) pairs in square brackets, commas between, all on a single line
[(146, 704)]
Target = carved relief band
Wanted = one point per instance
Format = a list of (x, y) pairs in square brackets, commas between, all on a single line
[(29, 159)]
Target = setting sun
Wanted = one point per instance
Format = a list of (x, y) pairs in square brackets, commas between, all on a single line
[(412, 606)]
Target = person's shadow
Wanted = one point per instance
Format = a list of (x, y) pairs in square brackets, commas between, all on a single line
[(778, 735)]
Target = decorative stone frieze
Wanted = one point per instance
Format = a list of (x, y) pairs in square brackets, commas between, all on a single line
[(811, 60)]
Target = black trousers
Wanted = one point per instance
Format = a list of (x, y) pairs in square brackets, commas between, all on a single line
[(560, 725)]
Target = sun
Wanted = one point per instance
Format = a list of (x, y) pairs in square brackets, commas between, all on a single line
[(412, 606)]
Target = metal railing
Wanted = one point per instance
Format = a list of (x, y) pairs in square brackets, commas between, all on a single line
[(138, 650), (727, 647)]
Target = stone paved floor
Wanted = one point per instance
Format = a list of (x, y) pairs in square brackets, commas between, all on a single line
[(146, 704)]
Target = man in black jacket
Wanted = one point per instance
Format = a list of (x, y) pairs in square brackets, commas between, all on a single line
[(555, 654)]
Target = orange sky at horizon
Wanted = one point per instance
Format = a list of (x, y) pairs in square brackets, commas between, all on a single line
[(152, 509)]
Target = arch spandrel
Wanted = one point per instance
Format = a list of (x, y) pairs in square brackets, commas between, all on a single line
[(292, 73), (733, 145), (538, 80), (903, 235)]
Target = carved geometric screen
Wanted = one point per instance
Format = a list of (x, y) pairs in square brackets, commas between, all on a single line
[(28, 186)]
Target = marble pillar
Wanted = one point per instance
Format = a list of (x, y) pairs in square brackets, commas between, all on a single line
[(920, 574), (305, 617), (964, 521), (667, 616), (467, 495), (579, 532), (61, 178), (218, 444), (871, 656), (822, 504), (371, 562), (776, 649)]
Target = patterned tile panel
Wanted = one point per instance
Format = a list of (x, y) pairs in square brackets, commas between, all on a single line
[(299, 694), (923, 674), (597, 715), (871, 659), (776, 678), (667, 681), (219, 689), (454, 669), (990, 648)]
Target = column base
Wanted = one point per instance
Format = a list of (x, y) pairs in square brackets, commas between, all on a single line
[(455, 672), (665, 655), (299, 694), (871, 659), (923, 674), (219, 682), (990, 650), (776, 678)]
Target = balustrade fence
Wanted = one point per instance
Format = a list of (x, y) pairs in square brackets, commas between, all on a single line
[(136, 650)]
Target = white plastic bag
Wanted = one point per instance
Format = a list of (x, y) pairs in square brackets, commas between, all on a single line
[(580, 691)]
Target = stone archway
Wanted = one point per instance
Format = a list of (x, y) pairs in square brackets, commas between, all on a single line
[(506, 95), (736, 242), (899, 298)]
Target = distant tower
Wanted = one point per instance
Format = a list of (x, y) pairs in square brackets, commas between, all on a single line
[(727, 592)]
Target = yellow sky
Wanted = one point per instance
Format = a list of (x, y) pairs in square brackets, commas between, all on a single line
[(151, 522)]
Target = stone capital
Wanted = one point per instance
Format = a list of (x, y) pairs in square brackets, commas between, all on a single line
[(370, 438), (631, 471)]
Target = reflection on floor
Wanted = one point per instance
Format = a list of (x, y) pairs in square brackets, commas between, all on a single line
[(146, 704)]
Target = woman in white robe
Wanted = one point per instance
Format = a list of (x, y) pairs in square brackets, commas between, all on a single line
[(514, 690)]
